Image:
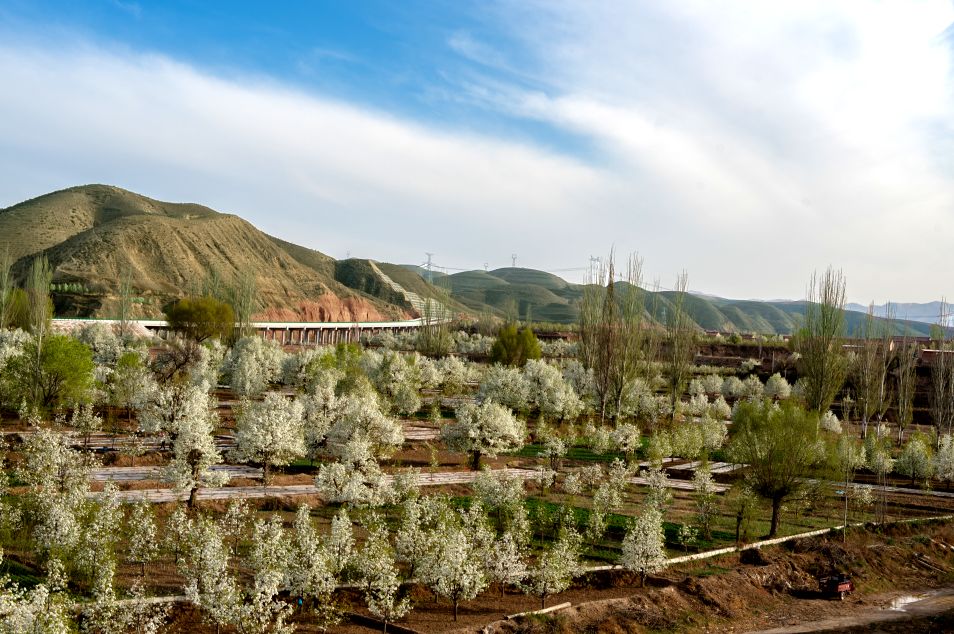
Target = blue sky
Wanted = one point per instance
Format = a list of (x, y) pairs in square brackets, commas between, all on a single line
[(747, 143)]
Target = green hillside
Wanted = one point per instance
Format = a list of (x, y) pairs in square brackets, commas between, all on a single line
[(542, 296)]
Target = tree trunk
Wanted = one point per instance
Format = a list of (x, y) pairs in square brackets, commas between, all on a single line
[(455, 609), (543, 601), (776, 513), (845, 532), (192, 496), (475, 461)]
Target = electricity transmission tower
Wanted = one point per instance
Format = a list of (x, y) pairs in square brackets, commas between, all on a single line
[(429, 265)]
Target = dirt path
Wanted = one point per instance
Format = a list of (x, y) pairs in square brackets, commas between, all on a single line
[(896, 609)]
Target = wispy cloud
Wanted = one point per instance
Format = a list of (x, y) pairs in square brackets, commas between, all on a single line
[(323, 173)]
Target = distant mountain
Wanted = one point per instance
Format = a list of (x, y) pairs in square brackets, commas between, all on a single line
[(542, 296), (92, 233), (928, 313)]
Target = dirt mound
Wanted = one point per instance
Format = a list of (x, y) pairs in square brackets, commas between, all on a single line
[(778, 588), (93, 234)]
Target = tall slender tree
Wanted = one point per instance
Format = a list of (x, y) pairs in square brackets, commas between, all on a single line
[(905, 376), (243, 296), (679, 344), (6, 287), (942, 375), (823, 364), (125, 301), (616, 341), (870, 367)]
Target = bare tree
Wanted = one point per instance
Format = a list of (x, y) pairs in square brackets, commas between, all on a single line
[(680, 343), (823, 364), (598, 336), (942, 376), (434, 337), (616, 340)]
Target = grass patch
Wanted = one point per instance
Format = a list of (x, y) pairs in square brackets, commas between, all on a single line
[(21, 575), (576, 452)]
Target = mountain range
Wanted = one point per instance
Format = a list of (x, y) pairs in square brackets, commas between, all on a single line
[(92, 234)]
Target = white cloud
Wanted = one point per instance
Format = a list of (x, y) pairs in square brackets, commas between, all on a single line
[(780, 136), (747, 142)]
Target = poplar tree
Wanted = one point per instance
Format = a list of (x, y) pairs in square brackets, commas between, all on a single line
[(823, 366)]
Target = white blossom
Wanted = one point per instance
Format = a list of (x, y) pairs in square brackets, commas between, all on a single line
[(102, 340), (549, 393), (705, 498), (253, 364), (505, 561), (360, 417), (719, 409), (777, 387), (379, 577), (712, 384), (752, 388), (555, 568), (687, 440), (204, 568), (830, 422), (484, 430), (644, 549), (714, 434), (143, 545), (944, 460), (733, 387), (358, 484), (698, 404), (44, 609), (270, 432), (454, 569), (506, 386), (626, 439), (339, 543), (915, 460), (172, 405), (659, 495), (194, 449)]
